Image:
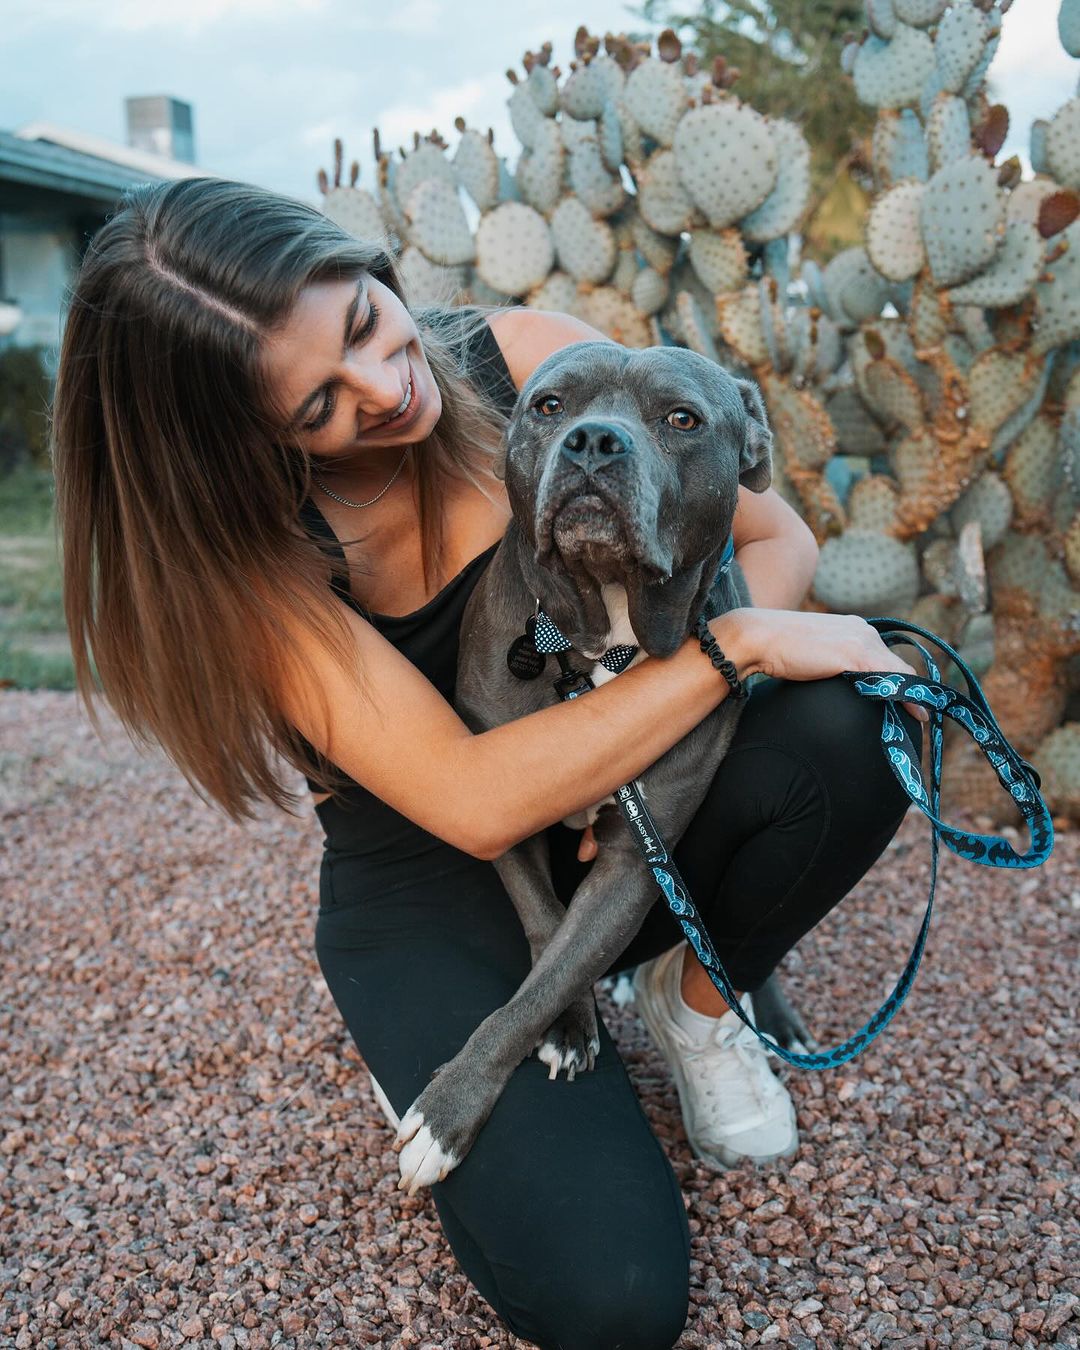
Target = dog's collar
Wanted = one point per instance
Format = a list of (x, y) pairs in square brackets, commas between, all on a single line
[(548, 640)]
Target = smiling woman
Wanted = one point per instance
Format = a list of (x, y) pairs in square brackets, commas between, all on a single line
[(238, 379), (381, 404), (198, 483)]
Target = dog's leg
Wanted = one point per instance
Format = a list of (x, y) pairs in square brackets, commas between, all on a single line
[(572, 1041), (607, 910)]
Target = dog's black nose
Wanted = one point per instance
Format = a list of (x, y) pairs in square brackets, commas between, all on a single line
[(594, 443)]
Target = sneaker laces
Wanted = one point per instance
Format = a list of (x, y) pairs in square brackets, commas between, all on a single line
[(743, 1042)]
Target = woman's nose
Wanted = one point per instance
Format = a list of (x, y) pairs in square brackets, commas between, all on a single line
[(379, 387)]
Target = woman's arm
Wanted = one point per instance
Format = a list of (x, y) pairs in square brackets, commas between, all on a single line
[(775, 548), (388, 728)]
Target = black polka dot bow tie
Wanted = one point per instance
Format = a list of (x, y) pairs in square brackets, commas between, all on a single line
[(548, 639)]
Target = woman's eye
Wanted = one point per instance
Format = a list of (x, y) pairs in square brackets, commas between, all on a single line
[(323, 417), (682, 419), (327, 410), (548, 405)]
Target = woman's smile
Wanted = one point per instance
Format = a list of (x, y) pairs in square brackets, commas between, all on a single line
[(406, 413)]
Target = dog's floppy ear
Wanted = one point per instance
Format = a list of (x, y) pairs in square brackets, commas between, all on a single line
[(755, 457)]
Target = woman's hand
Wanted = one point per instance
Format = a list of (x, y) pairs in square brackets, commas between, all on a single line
[(795, 645)]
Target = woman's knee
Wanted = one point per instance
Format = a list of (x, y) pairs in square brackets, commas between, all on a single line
[(838, 731), (641, 1305)]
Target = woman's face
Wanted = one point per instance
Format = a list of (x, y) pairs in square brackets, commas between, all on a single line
[(345, 362)]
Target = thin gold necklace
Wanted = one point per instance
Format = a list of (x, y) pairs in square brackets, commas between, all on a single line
[(344, 500)]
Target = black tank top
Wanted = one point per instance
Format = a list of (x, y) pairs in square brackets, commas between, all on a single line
[(428, 637)]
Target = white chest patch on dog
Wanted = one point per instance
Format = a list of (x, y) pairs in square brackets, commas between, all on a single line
[(620, 631)]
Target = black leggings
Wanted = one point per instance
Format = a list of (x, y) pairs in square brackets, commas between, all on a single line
[(566, 1214)]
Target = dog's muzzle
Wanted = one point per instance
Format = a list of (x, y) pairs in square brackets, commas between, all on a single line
[(593, 498)]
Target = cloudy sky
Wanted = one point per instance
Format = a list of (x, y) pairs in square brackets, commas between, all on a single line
[(273, 81)]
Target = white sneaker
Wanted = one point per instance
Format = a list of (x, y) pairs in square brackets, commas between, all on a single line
[(733, 1105), (384, 1102)]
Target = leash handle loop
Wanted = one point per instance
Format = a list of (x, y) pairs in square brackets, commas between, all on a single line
[(1016, 775)]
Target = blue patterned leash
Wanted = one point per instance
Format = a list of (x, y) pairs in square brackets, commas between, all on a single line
[(1016, 775)]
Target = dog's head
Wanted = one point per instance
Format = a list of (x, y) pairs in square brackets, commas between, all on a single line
[(623, 465)]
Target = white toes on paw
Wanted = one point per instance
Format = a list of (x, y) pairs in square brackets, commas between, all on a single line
[(553, 1057), (422, 1159), (557, 1059)]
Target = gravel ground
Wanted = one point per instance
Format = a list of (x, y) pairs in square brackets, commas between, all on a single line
[(190, 1153)]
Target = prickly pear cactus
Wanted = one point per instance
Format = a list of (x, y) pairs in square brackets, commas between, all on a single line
[(923, 387)]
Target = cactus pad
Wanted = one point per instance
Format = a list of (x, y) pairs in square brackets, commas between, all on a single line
[(948, 131), (891, 74), (477, 168), (919, 13), (694, 326), (781, 209), (1011, 274), (853, 287), (1069, 26), (961, 212), (989, 501), (584, 247), (605, 308), (1057, 299), (739, 314), (514, 249), (862, 572), (429, 283), (1062, 145), (558, 292), (1057, 759), (899, 148), (661, 198), (355, 210), (437, 224), (893, 238), (649, 291), (872, 504), (719, 258), (584, 93), (961, 36), (657, 98), (600, 190), (727, 160), (1032, 470)]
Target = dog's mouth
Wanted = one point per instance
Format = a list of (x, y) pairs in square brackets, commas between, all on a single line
[(589, 529), (584, 520)]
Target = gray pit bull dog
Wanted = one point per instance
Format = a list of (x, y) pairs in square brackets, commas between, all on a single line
[(622, 468)]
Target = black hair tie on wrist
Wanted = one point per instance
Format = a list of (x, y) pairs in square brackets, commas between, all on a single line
[(720, 661)]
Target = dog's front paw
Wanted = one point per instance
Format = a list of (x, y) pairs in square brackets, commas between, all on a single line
[(572, 1042), (441, 1125)]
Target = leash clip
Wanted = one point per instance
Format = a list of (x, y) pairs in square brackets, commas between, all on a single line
[(572, 684)]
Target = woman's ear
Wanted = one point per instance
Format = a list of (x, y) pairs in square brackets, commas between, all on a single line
[(755, 458)]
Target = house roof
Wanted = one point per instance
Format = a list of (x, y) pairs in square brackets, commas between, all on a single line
[(90, 168)]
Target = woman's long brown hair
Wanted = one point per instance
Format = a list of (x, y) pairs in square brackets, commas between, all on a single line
[(185, 567)]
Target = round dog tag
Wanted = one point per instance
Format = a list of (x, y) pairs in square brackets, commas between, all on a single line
[(523, 660)]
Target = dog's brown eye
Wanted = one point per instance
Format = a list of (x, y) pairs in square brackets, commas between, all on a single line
[(545, 405), (687, 421)]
